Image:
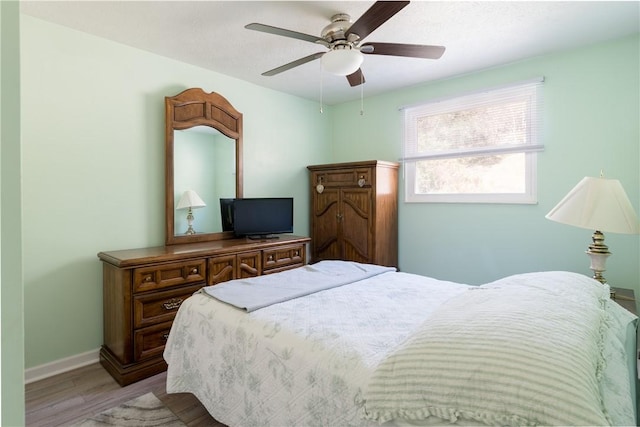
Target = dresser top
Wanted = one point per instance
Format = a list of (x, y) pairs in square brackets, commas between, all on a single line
[(626, 298), (136, 257), (360, 164)]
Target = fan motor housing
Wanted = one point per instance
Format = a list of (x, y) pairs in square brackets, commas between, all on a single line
[(340, 23)]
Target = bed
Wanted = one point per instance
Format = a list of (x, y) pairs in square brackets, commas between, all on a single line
[(345, 344)]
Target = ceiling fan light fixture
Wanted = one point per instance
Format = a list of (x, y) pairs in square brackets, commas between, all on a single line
[(342, 62)]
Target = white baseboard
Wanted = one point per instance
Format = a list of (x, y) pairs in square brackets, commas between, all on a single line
[(62, 365)]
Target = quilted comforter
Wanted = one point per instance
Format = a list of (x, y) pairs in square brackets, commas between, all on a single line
[(313, 360)]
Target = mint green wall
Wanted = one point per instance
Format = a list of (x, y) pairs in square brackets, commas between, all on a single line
[(591, 122), (92, 147), (93, 167), (11, 312)]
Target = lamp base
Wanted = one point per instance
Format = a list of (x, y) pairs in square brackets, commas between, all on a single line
[(190, 218), (598, 253)]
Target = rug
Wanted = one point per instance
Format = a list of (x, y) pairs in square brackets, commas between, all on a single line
[(144, 411)]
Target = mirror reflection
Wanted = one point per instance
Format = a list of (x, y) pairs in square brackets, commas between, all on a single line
[(204, 162)]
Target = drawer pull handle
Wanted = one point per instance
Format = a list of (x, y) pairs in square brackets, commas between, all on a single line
[(194, 271), (296, 253), (270, 257), (172, 304), (148, 278), (362, 181), (165, 336)]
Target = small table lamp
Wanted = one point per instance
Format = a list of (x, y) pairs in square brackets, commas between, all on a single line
[(597, 204), (190, 200)]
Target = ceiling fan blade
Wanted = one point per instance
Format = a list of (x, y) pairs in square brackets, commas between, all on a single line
[(399, 49), (377, 15), (285, 33), (293, 64), (356, 78)]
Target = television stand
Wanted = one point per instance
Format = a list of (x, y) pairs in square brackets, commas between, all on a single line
[(263, 236)]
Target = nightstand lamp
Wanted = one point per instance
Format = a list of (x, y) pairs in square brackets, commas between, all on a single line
[(190, 200), (598, 204)]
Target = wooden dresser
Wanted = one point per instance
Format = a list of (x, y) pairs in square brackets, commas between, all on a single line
[(143, 289), (354, 212)]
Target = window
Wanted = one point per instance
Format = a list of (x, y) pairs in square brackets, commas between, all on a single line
[(475, 148)]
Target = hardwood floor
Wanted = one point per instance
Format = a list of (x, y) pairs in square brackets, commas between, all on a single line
[(72, 396)]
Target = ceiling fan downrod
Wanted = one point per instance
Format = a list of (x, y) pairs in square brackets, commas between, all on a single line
[(336, 31)]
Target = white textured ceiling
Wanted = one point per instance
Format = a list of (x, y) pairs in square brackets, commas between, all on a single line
[(477, 35)]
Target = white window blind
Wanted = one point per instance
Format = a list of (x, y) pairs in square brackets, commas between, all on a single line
[(477, 147)]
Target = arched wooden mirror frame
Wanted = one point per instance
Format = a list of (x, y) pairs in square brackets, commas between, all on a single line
[(194, 107)]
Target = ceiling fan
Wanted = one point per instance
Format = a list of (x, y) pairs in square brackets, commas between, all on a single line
[(342, 38)]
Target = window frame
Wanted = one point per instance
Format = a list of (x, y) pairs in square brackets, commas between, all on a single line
[(530, 88)]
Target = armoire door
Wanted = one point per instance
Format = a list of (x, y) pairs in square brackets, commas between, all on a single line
[(325, 224), (355, 234)]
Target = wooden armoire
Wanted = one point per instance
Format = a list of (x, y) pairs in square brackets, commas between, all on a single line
[(354, 212)]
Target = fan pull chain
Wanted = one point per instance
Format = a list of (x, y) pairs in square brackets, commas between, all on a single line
[(321, 84), (361, 94)]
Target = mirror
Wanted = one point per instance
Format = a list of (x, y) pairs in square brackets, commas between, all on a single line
[(203, 161), (203, 144)]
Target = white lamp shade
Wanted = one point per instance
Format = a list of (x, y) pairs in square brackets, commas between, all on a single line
[(190, 199), (597, 204), (342, 62)]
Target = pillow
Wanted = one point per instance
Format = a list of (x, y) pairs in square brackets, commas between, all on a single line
[(508, 353)]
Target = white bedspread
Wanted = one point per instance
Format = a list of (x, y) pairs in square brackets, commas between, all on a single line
[(306, 362)]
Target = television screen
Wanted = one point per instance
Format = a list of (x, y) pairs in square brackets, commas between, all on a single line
[(263, 217)]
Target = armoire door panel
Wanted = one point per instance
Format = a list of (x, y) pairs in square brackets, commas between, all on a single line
[(325, 224), (329, 249), (358, 200), (353, 253), (325, 202), (356, 224)]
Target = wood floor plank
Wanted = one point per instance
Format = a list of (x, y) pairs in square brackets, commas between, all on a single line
[(50, 394), (75, 395)]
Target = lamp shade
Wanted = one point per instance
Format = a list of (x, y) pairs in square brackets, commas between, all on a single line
[(342, 62), (190, 199), (597, 204)]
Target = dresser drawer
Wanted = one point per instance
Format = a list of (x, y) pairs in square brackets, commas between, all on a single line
[(248, 265), (150, 341), (167, 275), (158, 307), (221, 269), (282, 258), (237, 266), (360, 177)]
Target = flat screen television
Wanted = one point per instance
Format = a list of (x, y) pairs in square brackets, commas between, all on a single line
[(261, 218)]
